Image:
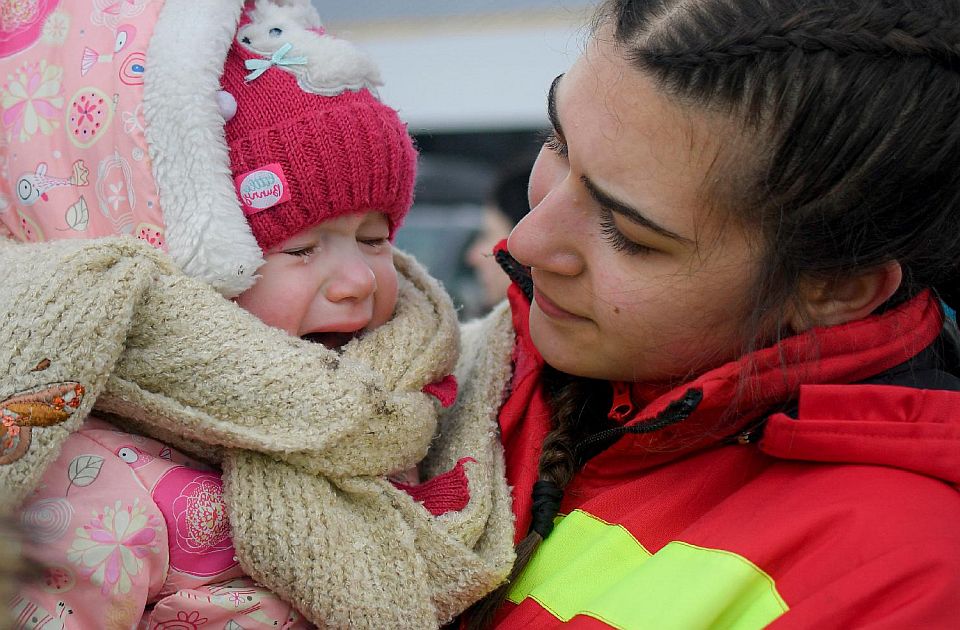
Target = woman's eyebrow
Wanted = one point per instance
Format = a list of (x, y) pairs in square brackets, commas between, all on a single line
[(601, 197), (632, 214), (552, 106)]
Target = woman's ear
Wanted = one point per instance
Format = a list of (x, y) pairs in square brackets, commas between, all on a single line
[(832, 302)]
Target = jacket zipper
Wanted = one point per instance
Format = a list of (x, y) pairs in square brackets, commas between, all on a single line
[(675, 412)]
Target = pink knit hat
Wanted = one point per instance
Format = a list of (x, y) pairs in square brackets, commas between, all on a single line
[(302, 155)]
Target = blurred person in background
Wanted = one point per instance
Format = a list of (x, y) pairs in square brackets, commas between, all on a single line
[(505, 207)]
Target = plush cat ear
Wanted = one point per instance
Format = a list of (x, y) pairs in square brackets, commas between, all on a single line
[(302, 11), (325, 65)]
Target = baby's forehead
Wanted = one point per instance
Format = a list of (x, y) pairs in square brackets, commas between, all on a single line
[(357, 217), (371, 225), (374, 216), (349, 220)]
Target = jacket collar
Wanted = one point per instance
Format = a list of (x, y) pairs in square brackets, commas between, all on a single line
[(739, 395), (905, 417), (736, 397)]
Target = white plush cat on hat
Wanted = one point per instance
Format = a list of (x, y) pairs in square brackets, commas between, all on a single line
[(332, 64)]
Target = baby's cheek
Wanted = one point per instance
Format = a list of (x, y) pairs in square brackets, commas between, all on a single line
[(271, 317), (385, 299), (270, 304), (253, 303)]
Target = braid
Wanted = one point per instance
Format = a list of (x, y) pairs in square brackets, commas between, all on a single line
[(895, 31), (570, 398), (912, 36), (846, 129), (574, 409)]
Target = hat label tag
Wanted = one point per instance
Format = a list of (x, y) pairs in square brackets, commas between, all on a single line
[(262, 188)]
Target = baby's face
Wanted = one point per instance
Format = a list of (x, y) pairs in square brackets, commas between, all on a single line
[(328, 282)]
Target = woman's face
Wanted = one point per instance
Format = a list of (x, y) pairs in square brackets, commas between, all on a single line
[(637, 277)]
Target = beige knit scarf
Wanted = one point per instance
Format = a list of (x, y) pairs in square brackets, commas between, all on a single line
[(305, 435)]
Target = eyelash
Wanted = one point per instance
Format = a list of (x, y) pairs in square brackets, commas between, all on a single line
[(608, 226), (615, 237), (555, 144), (301, 253)]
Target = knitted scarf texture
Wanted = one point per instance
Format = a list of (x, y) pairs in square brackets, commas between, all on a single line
[(305, 435)]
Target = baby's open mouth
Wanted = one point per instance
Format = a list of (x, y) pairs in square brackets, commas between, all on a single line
[(332, 340)]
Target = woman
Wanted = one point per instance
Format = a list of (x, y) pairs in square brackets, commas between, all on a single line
[(732, 399)]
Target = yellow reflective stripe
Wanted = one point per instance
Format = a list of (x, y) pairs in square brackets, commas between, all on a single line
[(589, 567), (567, 561)]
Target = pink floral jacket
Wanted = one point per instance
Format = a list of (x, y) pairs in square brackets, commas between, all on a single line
[(132, 533)]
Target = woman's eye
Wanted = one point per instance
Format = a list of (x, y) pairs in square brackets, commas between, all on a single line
[(553, 142), (301, 252), (613, 235)]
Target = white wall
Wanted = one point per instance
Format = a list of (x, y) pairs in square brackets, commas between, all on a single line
[(384, 10), (471, 72)]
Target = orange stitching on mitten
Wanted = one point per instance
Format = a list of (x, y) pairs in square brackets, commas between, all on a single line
[(45, 407)]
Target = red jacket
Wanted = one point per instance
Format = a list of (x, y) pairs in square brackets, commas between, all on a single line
[(845, 513)]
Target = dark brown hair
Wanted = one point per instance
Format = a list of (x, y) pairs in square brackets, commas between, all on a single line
[(853, 107)]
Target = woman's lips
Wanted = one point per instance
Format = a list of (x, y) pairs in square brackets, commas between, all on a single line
[(551, 310)]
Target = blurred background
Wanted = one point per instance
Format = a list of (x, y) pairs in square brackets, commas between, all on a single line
[(470, 78)]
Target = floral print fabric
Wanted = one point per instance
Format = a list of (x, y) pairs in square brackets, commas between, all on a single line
[(71, 120), (132, 533)]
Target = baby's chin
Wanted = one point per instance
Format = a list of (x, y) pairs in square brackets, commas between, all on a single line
[(332, 340)]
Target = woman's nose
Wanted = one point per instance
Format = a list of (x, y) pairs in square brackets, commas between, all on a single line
[(551, 235), (351, 279)]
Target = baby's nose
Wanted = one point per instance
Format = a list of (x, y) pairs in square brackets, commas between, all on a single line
[(352, 279)]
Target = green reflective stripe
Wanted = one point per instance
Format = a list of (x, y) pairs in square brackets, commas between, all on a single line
[(589, 567), (568, 557)]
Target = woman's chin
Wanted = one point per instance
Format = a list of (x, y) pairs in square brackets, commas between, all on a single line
[(560, 346)]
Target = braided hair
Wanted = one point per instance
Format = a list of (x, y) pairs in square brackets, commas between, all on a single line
[(575, 405), (851, 111), (846, 156)]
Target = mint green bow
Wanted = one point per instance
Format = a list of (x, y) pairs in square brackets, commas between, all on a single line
[(259, 66)]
